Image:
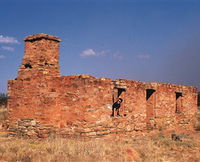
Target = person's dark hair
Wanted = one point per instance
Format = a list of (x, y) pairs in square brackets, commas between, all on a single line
[(120, 99)]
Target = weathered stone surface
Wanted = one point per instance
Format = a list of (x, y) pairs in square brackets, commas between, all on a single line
[(81, 104), (30, 128)]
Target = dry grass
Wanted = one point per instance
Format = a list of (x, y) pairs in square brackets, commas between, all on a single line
[(60, 150), (147, 149), (162, 148), (3, 113)]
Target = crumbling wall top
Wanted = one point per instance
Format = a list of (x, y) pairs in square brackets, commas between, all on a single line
[(40, 36), (177, 87)]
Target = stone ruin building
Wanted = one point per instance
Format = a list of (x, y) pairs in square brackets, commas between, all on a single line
[(41, 100)]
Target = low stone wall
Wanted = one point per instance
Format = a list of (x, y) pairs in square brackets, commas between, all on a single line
[(30, 128), (34, 129)]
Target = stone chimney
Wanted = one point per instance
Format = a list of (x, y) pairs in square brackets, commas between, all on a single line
[(41, 57)]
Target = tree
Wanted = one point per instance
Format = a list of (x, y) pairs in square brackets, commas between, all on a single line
[(3, 99)]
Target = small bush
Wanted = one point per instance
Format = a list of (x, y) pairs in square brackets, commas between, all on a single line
[(3, 99), (198, 127)]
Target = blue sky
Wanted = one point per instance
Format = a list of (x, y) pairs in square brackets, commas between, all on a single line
[(151, 41)]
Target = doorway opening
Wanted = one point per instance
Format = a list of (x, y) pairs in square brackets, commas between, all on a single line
[(120, 93), (150, 105), (179, 99)]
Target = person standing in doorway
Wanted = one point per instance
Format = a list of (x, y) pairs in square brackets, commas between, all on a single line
[(116, 106)]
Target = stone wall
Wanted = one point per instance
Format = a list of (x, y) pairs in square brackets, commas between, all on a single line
[(173, 105), (81, 104)]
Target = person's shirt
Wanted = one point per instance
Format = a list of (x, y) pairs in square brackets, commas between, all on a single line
[(116, 105)]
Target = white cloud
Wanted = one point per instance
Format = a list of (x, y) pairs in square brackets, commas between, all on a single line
[(6, 39), (2, 56), (103, 53), (143, 56), (6, 48), (91, 52), (88, 52)]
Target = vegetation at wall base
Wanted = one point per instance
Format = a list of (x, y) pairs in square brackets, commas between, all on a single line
[(136, 148), (3, 99)]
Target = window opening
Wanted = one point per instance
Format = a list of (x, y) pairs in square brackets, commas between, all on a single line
[(28, 66)]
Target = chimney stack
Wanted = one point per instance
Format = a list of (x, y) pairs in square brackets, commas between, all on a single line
[(41, 57)]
